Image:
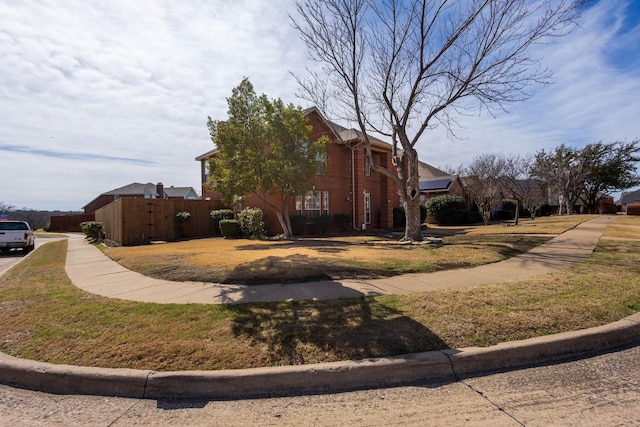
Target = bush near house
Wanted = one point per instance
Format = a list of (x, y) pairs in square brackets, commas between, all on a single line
[(230, 229), (251, 222), (399, 218), (297, 224), (445, 208), (218, 215), (93, 229), (342, 221)]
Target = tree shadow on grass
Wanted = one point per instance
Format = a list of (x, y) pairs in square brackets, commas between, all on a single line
[(319, 245), (295, 269), (301, 332)]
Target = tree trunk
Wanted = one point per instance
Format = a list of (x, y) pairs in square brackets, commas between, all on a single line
[(411, 199), (517, 216), (283, 216)]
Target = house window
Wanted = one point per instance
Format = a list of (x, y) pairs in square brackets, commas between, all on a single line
[(322, 164), (325, 203), (367, 206), (312, 204), (367, 166)]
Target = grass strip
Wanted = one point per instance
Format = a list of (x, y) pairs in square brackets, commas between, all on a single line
[(44, 317)]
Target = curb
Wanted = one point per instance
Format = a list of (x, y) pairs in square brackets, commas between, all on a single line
[(433, 367)]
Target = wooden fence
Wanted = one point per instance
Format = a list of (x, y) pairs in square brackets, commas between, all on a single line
[(139, 221), (69, 223)]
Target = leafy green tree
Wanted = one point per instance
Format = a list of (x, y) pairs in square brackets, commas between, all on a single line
[(590, 173), (263, 149), (612, 169)]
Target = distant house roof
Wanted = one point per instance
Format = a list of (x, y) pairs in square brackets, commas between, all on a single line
[(150, 191), (426, 172), (436, 184), (134, 189), (634, 196), (180, 192)]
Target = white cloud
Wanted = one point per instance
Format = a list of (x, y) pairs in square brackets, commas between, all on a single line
[(120, 80)]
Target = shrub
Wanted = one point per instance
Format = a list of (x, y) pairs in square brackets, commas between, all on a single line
[(179, 219), (297, 224), (423, 214), (508, 205), (218, 215), (251, 222), (445, 207), (230, 228), (545, 210), (505, 215), (323, 221), (399, 219), (93, 229), (342, 221)]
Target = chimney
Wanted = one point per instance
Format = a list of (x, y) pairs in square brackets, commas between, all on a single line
[(160, 190)]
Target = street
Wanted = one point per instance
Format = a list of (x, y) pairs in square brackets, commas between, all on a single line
[(599, 391)]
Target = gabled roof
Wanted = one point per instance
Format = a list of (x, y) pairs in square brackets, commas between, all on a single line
[(179, 192), (148, 190), (134, 189), (342, 133), (426, 172), (634, 196)]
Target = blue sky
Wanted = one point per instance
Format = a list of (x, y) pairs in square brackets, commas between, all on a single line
[(97, 95)]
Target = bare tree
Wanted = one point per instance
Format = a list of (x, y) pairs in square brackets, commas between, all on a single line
[(484, 182), (400, 68), (518, 181), (565, 170)]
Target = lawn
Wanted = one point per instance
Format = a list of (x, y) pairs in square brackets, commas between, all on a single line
[(253, 262), (44, 317)]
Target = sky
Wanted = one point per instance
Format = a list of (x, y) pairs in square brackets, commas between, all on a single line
[(96, 95)]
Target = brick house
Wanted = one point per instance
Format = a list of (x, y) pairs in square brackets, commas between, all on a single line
[(347, 185), (434, 182), (145, 191)]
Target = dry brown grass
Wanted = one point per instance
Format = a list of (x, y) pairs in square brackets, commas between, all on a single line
[(625, 227), (252, 261), (44, 317), (551, 225)]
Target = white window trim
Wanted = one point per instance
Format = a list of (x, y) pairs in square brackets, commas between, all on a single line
[(367, 206)]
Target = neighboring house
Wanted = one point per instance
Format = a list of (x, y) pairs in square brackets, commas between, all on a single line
[(346, 185), (629, 198), (434, 182), (146, 191)]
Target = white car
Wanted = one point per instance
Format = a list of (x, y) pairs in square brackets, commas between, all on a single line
[(16, 235)]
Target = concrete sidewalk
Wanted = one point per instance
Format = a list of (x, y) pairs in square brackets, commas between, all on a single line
[(89, 269), (92, 271)]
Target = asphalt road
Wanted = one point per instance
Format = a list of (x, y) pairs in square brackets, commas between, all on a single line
[(599, 391), (11, 258)]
